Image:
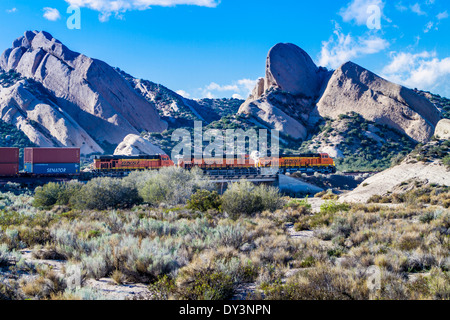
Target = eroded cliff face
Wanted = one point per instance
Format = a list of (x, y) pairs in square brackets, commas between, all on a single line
[(92, 102), (295, 93), (284, 99), (355, 89)]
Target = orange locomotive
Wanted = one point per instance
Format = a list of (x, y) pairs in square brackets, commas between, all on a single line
[(314, 162), (131, 163), (240, 165)]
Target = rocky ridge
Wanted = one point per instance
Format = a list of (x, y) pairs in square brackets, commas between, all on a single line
[(93, 104)]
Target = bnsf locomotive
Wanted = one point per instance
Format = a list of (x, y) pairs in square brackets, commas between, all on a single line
[(314, 162), (131, 163)]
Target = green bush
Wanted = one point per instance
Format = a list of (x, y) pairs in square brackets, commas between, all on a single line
[(245, 198), (47, 195), (106, 193), (204, 200), (446, 161), (333, 207), (173, 186)]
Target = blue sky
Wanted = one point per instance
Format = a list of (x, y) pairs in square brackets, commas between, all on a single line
[(211, 48)]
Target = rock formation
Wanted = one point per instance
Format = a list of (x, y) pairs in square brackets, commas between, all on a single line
[(44, 123), (296, 93), (443, 129), (353, 88), (291, 69), (284, 99), (134, 145), (89, 91)]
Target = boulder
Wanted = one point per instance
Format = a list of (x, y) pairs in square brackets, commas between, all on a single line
[(443, 129), (291, 69), (134, 145)]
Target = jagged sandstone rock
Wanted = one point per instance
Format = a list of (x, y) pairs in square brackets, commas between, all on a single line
[(291, 69), (134, 145), (297, 94), (52, 127), (283, 100), (91, 92), (355, 89)]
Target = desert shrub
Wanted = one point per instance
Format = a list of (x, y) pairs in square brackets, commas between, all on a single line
[(44, 286), (446, 161), (173, 186), (10, 290), (155, 191), (245, 198), (67, 192), (204, 200), (296, 204), (106, 193), (333, 207), (213, 275), (321, 283), (209, 286), (439, 284), (47, 195), (147, 260)]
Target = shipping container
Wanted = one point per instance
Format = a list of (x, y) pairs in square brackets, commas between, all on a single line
[(52, 155), (9, 155), (9, 169), (53, 168)]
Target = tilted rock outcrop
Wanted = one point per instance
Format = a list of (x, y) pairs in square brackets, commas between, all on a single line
[(291, 69), (91, 92), (296, 93), (44, 123), (355, 89), (284, 99)]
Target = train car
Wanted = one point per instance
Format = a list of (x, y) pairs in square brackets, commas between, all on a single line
[(234, 166), (314, 162), (131, 163), (9, 162), (52, 155), (52, 161)]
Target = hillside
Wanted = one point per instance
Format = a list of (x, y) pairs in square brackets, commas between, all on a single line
[(427, 166), (180, 112), (358, 144), (91, 105), (442, 103)]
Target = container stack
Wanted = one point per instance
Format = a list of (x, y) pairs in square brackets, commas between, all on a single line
[(9, 161), (52, 161)]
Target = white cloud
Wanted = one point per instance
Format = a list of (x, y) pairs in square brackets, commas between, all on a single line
[(343, 47), (357, 10), (13, 10), (51, 14), (239, 89), (422, 70), (183, 94), (429, 26), (108, 7), (417, 9), (442, 15)]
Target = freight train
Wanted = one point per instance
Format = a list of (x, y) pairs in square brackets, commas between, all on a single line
[(43, 162), (66, 162)]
